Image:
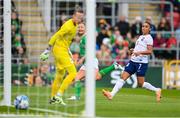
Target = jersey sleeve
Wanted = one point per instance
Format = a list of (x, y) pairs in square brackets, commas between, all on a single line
[(63, 30), (149, 40)]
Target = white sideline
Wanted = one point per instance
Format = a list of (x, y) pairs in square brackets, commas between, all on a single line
[(57, 113)]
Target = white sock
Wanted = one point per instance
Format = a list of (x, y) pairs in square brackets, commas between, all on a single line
[(149, 86), (119, 84), (59, 94)]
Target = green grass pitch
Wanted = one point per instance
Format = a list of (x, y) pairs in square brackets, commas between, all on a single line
[(127, 103)]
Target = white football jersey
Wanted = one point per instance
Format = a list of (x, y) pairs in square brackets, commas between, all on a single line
[(141, 45)]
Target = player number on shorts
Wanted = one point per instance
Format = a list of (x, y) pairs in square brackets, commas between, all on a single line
[(139, 66)]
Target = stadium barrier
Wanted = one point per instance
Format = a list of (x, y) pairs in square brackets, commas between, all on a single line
[(110, 79), (21, 76), (172, 74)]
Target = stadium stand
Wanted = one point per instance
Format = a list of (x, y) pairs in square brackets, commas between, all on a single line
[(35, 31), (33, 27)]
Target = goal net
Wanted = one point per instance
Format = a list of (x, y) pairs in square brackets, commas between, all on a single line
[(33, 22)]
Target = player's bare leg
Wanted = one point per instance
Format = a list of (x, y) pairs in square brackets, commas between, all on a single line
[(150, 87), (119, 84), (80, 76)]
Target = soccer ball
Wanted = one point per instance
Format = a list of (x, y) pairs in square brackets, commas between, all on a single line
[(21, 102)]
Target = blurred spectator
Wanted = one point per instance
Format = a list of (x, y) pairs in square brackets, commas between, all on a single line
[(41, 76), (18, 43), (16, 22), (164, 26), (176, 3), (136, 27), (131, 41), (13, 7), (159, 42), (171, 43), (104, 54), (118, 43), (117, 34), (119, 50), (44, 76), (101, 35), (123, 26), (177, 33), (176, 17), (1, 19), (102, 23), (18, 48), (153, 27)]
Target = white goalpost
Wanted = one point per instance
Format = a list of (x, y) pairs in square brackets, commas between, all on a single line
[(90, 46), (7, 53), (7, 64)]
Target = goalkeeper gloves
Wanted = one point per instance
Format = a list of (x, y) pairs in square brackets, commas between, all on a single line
[(45, 55)]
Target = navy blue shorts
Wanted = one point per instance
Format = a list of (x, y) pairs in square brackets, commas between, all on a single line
[(138, 68)]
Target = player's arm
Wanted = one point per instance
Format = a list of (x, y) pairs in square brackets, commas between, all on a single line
[(81, 60), (57, 36), (147, 52)]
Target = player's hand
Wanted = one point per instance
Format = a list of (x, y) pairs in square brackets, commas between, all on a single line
[(130, 51), (45, 55)]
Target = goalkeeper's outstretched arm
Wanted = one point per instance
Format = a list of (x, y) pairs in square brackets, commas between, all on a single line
[(45, 55)]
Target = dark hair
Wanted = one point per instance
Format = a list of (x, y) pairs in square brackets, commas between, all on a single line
[(148, 24), (78, 9), (83, 23)]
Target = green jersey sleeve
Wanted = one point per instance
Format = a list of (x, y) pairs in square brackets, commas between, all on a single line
[(82, 46)]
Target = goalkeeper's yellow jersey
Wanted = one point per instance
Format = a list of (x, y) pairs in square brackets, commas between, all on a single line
[(65, 35)]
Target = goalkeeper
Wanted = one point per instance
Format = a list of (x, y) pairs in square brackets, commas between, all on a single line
[(59, 44), (81, 72)]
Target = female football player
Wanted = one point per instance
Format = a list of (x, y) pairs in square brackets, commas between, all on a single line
[(81, 73), (138, 64)]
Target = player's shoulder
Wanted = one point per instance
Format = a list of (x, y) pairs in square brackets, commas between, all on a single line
[(148, 36), (83, 38), (68, 22)]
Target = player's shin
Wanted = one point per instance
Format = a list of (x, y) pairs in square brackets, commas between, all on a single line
[(104, 71), (119, 84), (67, 81), (152, 88), (54, 89), (56, 83), (148, 86), (78, 87)]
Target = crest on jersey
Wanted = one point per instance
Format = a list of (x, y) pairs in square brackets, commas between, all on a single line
[(142, 38)]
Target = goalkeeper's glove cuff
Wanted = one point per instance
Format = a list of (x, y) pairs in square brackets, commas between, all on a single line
[(47, 51)]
